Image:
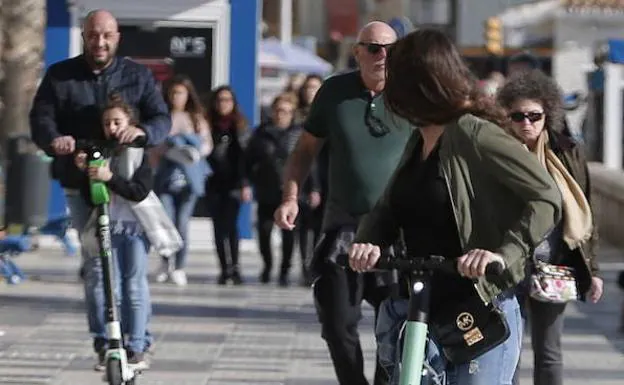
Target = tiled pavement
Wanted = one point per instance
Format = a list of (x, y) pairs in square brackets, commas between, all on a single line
[(235, 335)]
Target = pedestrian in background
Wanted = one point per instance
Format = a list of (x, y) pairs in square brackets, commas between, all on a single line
[(534, 105), (182, 167), (267, 152), (228, 185), (311, 217)]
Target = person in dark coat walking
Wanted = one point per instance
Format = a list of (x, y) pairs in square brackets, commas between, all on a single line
[(266, 157)]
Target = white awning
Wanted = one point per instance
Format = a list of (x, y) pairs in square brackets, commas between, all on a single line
[(546, 10), (530, 14), (187, 10)]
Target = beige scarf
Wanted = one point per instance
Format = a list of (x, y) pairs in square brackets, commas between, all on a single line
[(577, 216)]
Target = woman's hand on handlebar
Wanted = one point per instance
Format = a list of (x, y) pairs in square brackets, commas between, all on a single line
[(363, 256), (473, 263)]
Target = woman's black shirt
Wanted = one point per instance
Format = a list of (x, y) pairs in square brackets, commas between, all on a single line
[(423, 209)]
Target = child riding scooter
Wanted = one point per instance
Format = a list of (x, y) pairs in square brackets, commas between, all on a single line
[(119, 177)]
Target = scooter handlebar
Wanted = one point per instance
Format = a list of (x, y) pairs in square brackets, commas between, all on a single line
[(108, 144), (431, 263)]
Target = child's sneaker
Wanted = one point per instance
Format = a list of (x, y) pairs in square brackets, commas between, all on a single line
[(179, 277), (137, 361), (100, 366)]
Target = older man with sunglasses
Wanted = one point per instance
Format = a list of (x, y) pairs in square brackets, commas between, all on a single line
[(365, 145)]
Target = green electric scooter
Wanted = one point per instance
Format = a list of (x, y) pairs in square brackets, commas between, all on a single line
[(118, 370)]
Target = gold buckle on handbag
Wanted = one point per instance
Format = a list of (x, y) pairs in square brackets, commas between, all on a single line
[(473, 336)]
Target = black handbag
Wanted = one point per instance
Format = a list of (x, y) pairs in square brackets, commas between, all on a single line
[(465, 330)]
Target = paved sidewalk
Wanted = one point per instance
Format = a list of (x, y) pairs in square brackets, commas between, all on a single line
[(206, 334)]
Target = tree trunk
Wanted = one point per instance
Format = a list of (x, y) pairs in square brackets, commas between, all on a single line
[(23, 26)]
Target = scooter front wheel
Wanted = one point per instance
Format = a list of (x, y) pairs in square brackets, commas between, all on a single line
[(113, 372)]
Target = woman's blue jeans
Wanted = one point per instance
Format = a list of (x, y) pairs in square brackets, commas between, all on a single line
[(495, 367), (179, 207)]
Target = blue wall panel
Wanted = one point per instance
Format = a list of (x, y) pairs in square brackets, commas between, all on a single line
[(57, 32), (245, 34)]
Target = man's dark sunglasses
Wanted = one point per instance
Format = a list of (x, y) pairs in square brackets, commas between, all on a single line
[(519, 117), (376, 126), (375, 48)]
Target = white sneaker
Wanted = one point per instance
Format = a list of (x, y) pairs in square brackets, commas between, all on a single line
[(179, 277), (162, 274)]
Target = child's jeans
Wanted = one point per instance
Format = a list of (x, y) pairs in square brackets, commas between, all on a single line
[(495, 367), (130, 254), (93, 286)]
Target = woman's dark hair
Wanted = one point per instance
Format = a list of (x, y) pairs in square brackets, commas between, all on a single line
[(287, 97), (193, 104), (213, 114), (301, 93), (115, 100), (428, 82), (535, 85)]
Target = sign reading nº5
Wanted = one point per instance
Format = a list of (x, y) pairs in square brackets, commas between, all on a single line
[(187, 46)]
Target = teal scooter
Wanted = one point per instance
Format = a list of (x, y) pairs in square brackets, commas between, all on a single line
[(413, 367)]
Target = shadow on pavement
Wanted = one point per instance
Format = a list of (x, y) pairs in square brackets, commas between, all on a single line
[(242, 312)]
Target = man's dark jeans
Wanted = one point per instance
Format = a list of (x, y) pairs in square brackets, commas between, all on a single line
[(338, 295)]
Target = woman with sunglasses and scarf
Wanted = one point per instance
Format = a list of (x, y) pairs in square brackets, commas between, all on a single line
[(534, 105), (465, 189)]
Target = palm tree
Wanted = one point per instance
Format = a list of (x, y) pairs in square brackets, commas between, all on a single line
[(22, 41)]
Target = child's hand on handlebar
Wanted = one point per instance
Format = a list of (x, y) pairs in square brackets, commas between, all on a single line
[(100, 173), (473, 263), (81, 160), (363, 256)]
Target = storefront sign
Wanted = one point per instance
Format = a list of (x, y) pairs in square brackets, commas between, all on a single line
[(187, 46)]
